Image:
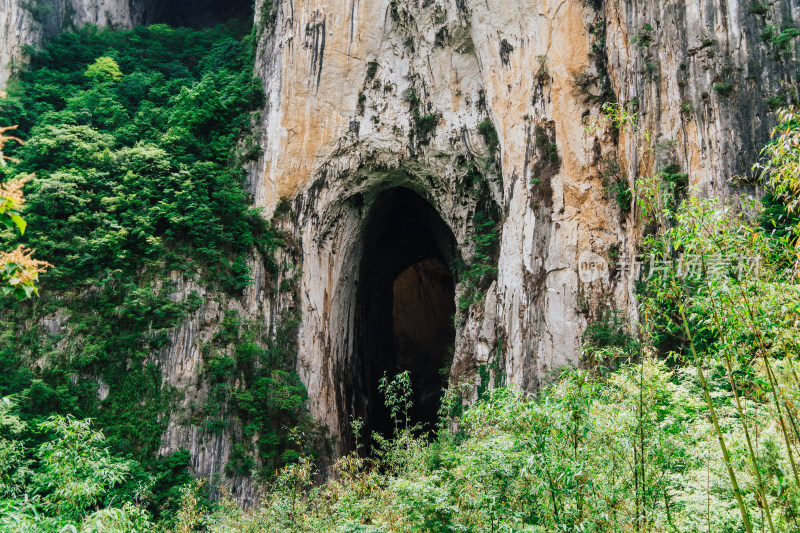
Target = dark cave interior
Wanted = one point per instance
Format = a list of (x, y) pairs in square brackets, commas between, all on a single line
[(406, 299), (198, 13)]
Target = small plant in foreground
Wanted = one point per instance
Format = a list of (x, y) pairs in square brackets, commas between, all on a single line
[(397, 393)]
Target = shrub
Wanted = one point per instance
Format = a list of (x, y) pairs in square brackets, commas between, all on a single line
[(489, 134), (70, 481), (483, 266), (723, 88)]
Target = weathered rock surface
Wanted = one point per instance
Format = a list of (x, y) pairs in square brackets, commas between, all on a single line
[(367, 95), (340, 124), (508, 62)]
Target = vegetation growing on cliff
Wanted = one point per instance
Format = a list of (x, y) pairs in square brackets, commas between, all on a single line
[(688, 423), (133, 139), (692, 427)]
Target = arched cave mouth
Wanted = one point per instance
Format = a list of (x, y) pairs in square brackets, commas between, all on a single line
[(406, 304), (198, 14)]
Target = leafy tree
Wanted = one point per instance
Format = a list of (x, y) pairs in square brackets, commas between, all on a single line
[(138, 176), (104, 69), (782, 160)]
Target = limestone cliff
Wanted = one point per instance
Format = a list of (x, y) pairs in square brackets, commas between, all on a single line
[(477, 107), (340, 124)]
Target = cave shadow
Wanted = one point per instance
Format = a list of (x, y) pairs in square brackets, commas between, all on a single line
[(198, 14), (405, 309)]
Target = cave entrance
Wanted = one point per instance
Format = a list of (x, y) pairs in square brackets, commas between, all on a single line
[(406, 298), (199, 14)]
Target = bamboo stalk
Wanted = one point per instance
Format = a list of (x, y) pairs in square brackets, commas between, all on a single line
[(725, 454), (773, 383), (753, 458)]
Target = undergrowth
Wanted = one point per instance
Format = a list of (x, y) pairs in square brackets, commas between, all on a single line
[(685, 422)]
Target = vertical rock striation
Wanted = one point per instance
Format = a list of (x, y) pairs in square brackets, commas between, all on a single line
[(477, 106), (349, 80), (707, 74)]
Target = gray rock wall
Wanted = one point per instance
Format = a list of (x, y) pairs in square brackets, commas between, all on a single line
[(367, 95), (698, 74)]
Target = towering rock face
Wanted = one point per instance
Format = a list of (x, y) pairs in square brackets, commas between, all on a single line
[(394, 130), (349, 80), (708, 75)]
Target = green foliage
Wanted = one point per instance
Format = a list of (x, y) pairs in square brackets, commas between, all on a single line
[(622, 193), (549, 149), (269, 14), (75, 474), (722, 306), (104, 69), (372, 69), (483, 268), (252, 377), (362, 101), (672, 173), (424, 124), (615, 185), (659, 196), (609, 331), (630, 451), (397, 394), (781, 165), (777, 220), (758, 8), (10, 216), (723, 88), (687, 111), (489, 134), (40, 11), (18, 271), (720, 303), (140, 171), (619, 117), (644, 38), (133, 139), (69, 481), (111, 338), (780, 39), (545, 150), (768, 33), (776, 101)]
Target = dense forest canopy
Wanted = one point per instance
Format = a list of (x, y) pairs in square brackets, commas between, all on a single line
[(131, 146)]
